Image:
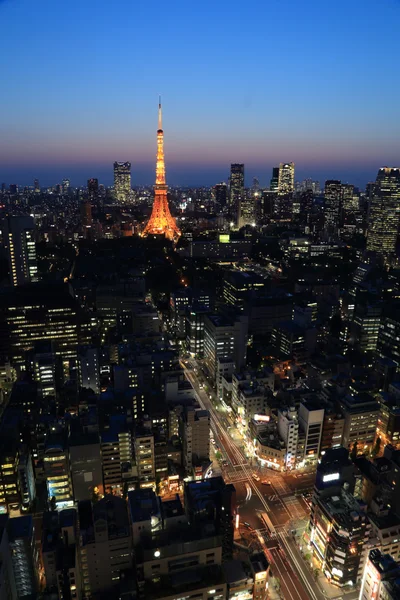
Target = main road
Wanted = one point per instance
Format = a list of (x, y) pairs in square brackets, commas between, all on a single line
[(276, 500)]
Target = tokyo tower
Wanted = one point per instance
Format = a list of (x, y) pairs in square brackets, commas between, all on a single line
[(161, 221)]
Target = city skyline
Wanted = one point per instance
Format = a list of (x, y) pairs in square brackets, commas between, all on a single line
[(90, 101)]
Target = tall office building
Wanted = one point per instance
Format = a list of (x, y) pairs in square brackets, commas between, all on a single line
[(274, 184), (286, 178), (24, 556), (333, 204), (247, 208), (384, 213), (36, 185), (19, 242), (31, 314), (122, 181), (93, 187), (221, 195), (236, 192), (65, 186)]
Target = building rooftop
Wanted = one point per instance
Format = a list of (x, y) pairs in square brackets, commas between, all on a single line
[(111, 509), (219, 320), (344, 509), (184, 582), (172, 508), (234, 571), (259, 562), (290, 327), (20, 527), (143, 504)]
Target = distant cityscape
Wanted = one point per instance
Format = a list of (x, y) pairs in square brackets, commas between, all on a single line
[(200, 389)]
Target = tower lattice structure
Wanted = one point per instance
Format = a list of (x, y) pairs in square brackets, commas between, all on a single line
[(161, 221)]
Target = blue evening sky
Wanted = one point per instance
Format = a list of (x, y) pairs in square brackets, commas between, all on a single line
[(257, 82)]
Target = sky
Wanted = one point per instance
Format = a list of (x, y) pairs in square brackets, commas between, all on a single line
[(258, 82)]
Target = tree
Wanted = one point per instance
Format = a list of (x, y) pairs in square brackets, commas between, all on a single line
[(125, 490), (95, 495), (354, 452), (276, 583), (218, 455), (376, 449)]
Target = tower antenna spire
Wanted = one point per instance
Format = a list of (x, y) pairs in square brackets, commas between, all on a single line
[(159, 113), (161, 221)]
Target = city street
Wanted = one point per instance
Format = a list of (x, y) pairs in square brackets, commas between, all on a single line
[(277, 499), (271, 513)]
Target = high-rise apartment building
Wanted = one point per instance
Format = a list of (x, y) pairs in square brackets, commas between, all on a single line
[(145, 457), (105, 542), (311, 419), (236, 191), (57, 469), (19, 243), (195, 437), (384, 213), (286, 178), (122, 181), (224, 338), (288, 428), (116, 452)]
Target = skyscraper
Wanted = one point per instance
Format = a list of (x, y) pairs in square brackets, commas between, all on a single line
[(19, 242), (286, 178), (122, 181), (221, 194), (247, 208), (384, 213), (274, 184), (65, 186), (93, 187), (236, 195), (333, 205), (36, 185), (161, 221)]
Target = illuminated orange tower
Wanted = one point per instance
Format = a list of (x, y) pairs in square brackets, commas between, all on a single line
[(161, 221)]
